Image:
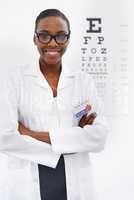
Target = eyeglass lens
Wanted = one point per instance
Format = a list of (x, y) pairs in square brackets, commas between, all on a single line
[(46, 38)]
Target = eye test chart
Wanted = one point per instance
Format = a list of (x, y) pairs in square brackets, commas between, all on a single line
[(94, 53), (104, 55)]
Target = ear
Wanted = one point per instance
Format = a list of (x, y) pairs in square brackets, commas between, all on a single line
[(67, 43), (34, 39)]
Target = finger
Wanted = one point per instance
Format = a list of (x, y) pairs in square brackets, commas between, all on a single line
[(20, 124), (83, 118), (92, 115), (82, 121), (87, 119), (90, 121), (20, 127)]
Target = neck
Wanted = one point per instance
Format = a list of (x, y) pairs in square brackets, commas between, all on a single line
[(50, 69)]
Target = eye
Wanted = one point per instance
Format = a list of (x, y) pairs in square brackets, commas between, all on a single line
[(44, 37), (61, 38)]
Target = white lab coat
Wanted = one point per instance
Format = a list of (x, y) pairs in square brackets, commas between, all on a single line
[(29, 99)]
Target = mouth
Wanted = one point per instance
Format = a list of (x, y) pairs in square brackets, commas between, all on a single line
[(52, 51)]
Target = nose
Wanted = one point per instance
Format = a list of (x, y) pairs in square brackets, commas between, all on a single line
[(52, 43)]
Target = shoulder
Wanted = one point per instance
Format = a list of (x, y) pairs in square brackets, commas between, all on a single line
[(16, 73), (12, 76), (8, 74)]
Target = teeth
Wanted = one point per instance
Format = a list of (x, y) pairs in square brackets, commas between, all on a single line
[(52, 53)]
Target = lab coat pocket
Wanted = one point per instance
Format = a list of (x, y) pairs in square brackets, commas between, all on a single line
[(79, 110), (18, 179)]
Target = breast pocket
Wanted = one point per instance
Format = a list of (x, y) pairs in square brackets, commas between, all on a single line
[(73, 105), (79, 110)]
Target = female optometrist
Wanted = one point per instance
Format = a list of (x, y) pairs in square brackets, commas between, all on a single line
[(51, 119)]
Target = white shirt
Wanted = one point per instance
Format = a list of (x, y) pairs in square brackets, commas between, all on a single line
[(29, 99)]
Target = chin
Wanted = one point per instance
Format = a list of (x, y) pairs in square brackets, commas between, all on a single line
[(52, 62)]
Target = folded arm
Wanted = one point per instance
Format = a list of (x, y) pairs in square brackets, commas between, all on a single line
[(11, 141), (44, 136), (88, 136)]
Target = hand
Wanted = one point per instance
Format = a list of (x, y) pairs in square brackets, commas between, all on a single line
[(41, 136), (85, 120), (22, 129)]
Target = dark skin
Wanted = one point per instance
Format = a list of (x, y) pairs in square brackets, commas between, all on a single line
[(50, 66)]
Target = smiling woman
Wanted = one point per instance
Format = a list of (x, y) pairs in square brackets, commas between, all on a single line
[(52, 118), (51, 38)]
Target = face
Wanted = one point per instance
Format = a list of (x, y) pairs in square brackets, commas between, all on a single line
[(51, 52)]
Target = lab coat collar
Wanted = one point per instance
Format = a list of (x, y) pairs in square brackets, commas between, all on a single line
[(66, 76), (34, 70)]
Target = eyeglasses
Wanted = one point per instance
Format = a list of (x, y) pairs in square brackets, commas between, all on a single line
[(45, 38)]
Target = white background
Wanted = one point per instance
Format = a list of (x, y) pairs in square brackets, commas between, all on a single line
[(114, 167)]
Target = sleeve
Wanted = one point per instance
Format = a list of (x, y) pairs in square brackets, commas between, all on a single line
[(12, 142), (90, 138)]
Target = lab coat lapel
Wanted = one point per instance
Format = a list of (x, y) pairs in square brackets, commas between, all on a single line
[(66, 77), (33, 71)]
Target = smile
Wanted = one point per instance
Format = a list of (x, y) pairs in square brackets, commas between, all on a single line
[(52, 52)]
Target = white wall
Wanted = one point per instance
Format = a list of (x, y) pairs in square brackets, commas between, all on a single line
[(113, 168)]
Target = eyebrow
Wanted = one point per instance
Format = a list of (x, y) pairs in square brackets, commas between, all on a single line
[(44, 31)]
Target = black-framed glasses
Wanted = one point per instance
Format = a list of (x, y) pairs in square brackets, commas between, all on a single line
[(45, 38)]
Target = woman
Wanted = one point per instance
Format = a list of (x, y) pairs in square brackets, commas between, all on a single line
[(60, 121)]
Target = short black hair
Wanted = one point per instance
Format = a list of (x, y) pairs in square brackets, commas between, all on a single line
[(51, 13)]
